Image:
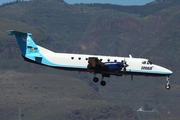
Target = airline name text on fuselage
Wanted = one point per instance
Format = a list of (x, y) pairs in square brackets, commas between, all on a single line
[(146, 68)]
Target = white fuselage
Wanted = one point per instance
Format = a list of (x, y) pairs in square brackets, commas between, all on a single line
[(79, 62)]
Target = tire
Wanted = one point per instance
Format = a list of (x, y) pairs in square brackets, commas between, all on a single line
[(103, 83), (167, 87), (95, 79)]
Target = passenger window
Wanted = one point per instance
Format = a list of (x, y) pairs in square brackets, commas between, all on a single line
[(108, 60), (86, 58), (115, 60), (72, 58), (79, 58), (100, 59)]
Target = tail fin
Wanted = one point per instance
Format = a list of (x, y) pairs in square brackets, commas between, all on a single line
[(26, 44)]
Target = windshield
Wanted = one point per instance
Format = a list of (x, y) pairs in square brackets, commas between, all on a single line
[(149, 62)]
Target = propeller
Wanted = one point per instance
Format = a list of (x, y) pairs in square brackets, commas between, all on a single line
[(124, 65)]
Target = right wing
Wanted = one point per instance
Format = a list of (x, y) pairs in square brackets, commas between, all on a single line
[(96, 65)]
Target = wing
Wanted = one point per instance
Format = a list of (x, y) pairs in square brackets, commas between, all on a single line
[(95, 65)]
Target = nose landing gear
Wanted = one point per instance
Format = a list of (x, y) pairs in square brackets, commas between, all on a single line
[(168, 83)]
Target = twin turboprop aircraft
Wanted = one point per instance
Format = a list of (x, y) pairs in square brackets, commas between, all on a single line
[(104, 65)]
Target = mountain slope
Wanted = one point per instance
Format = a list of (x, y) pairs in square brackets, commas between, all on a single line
[(50, 96), (80, 29)]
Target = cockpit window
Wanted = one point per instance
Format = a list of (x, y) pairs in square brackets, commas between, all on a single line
[(144, 62), (149, 62)]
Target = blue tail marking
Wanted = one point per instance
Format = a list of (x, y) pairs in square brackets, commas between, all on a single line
[(29, 49), (26, 44)]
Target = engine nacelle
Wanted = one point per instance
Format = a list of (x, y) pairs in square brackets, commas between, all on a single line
[(114, 66)]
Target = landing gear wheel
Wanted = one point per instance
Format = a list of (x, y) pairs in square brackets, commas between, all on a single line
[(103, 83), (95, 79), (167, 87)]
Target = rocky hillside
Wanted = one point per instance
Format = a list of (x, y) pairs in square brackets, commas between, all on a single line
[(98, 29), (44, 98)]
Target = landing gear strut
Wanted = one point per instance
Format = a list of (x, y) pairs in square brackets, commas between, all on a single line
[(168, 83)]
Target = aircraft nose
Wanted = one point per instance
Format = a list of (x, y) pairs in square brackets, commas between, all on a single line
[(164, 71), (168, 72)]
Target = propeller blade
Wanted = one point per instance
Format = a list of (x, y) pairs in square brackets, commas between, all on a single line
[(125, 65)]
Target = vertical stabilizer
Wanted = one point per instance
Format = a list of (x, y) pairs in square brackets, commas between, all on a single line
[(26, 43)]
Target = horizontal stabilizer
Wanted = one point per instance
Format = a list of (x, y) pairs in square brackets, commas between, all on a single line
[(12, 32)]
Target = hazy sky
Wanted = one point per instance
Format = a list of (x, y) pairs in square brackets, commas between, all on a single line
[(120, 2)]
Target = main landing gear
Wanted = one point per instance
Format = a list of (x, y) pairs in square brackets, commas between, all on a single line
[(103, 83), (168, 83)]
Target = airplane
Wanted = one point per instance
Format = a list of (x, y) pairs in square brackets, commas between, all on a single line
[(96, 64)]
